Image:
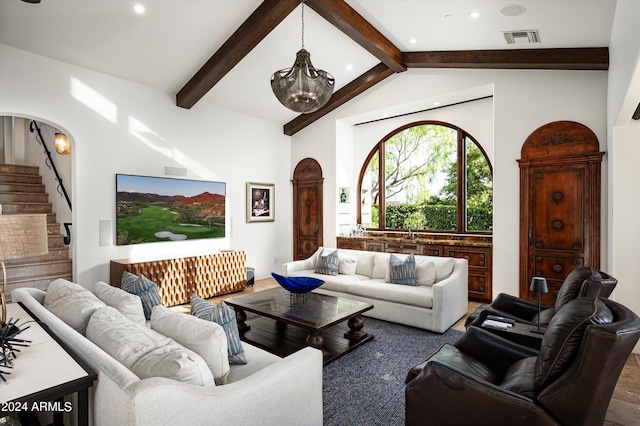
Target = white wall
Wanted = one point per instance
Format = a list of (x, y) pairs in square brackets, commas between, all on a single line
[(522, 102), (121, 127), (624, 134)]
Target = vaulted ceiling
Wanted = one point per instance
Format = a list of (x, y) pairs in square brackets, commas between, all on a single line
[(224, 51)]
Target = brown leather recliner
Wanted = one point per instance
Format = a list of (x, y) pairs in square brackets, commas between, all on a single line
[(581, 282), (483, 379)]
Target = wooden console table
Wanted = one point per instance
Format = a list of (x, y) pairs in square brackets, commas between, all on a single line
[(206, 275)]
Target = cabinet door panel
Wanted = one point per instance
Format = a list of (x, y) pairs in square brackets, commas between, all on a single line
[(476, 258), (376, 246), (558, 209), (351, 244)]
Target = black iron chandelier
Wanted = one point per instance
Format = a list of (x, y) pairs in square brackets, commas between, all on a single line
[(302, 88)]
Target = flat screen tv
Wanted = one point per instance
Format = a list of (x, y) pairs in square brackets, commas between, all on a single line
[(150, 209)]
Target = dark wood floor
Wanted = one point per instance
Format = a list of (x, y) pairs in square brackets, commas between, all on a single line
[(624, 408)]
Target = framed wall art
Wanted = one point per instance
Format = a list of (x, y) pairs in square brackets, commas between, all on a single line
[(260, 202)]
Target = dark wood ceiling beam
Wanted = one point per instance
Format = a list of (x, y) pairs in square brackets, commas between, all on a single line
[(350, 22), (261, 22), (591, 58), (367, 80)]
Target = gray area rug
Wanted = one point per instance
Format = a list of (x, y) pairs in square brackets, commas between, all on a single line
[(366, 386)]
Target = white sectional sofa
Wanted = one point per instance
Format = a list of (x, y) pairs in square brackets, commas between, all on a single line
[(268, 390), (434, 307)]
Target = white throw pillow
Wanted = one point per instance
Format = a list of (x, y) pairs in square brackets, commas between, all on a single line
[(72, 303), (426, 271), (364, 264), (347, 265), (205, 338), (380, 264), (146, 352), (444, 267), (126, 303)]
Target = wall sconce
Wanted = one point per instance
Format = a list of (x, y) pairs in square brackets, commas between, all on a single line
[(63, 146)]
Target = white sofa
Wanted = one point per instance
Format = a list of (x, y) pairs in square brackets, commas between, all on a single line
[(434, 307), (268, 390)]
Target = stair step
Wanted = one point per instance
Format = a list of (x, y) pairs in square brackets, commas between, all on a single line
[(56, 240), (24, 179), (40, 282), (22, 187), (23, 197), (49, 268), (55, 253), (19, 169), (18, 208)]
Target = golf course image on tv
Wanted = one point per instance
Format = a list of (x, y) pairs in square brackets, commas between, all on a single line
[(151, 209)]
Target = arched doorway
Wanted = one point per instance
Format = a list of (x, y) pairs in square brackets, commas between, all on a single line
[(307, 208)]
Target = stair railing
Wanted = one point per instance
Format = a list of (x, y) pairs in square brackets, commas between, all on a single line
[(33, 126)]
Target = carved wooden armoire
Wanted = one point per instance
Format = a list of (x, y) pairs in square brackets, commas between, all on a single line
[(560, 185), (307, 208)]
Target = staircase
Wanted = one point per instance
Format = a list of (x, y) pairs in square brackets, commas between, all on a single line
[(22, 192)]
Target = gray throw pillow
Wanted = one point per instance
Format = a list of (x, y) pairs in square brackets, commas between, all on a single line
[(126, 303), (72, 303), (224, 316), (403, 271), (328, 263), (144, 288)]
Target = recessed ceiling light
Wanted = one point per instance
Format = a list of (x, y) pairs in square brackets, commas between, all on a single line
[(349, 67), (413, 41), (436, 103), (474, 14), (513, 10), (139, 9), (448, 16)]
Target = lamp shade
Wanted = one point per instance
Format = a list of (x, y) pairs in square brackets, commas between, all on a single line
[(539, 285), (23, 235)]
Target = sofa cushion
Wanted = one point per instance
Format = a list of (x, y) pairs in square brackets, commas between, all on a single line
[(126, 303), (519, 377), (347, 265), (72, 303), (403, 271), (335, 283), (444, 266), (224, 316), (205, 338), (327, 263), (144, 288), (564, 334), (380, 265), (365, 262), (421, 296), (426, 271), (146, 352)]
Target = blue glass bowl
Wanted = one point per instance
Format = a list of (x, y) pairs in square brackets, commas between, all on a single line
[(297, 284)]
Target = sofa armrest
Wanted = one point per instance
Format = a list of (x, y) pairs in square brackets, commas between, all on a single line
[(24, 293), (296, 379), (301, 265), (451, 297)]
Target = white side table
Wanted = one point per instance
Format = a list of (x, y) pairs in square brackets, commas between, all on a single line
[(44, 373)]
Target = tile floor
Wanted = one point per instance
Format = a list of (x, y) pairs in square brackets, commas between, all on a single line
[(624, 408)]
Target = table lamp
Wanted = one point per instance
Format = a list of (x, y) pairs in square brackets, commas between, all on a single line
[(539, 285), (21, 235)]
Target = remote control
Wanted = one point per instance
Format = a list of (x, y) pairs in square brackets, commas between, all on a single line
[(501, 319)]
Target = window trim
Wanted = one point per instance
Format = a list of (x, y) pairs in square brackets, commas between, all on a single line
[(462, 159)]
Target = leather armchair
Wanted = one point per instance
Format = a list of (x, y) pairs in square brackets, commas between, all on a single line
[(581, 282), (486, 380)]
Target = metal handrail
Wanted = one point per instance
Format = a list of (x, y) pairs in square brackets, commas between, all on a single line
[(51, 165)]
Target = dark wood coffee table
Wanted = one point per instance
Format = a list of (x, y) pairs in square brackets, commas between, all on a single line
[(286, 323)]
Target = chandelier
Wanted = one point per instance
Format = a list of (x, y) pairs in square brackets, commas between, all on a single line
[(302, 88)]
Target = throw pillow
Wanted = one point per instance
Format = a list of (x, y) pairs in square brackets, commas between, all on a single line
[(403, 271), (347, 265), (205, 338), (144, 288), (72, 303), (426, 271), (145, 352), (327, 263), (224, 316), (126, 303)]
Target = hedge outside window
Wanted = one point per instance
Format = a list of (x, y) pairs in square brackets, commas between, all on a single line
[(416, 183)]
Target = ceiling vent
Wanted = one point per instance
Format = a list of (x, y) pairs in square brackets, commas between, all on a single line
[(522, 36)]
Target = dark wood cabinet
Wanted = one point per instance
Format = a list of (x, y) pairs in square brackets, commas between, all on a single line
[(477, 252), (560, 182)]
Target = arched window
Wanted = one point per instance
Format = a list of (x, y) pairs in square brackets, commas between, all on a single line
[(427, 176)]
